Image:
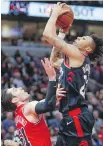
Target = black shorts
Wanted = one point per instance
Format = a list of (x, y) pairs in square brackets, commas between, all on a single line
[(66, 141), (76, 128)]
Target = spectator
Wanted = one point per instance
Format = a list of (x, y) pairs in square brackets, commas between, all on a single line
[(100, 133), (98, 121), (17, 81), (8, 121), (96, 141), (10, 133)]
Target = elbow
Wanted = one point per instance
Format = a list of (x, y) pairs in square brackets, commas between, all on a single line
[(46, 35)]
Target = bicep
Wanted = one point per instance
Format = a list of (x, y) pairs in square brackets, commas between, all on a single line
[(30, 108), (67, 49)]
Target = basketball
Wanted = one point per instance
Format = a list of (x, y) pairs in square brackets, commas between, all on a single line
[(65, 20)]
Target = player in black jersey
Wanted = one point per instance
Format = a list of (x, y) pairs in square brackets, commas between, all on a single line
[(76, 126)]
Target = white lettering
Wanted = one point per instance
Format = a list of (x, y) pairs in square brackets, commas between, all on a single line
[(86, 68), (20, 120)]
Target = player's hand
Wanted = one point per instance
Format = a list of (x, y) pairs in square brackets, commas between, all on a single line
[(49, 69), (7, 142), (58, 10), (60, 93), (10, 143), (65, 30)]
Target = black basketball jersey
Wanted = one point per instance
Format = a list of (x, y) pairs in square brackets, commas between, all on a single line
[(74, 80)]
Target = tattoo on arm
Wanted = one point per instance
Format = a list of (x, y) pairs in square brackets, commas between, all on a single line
[(57, 53), (68, 49), (58, 43)]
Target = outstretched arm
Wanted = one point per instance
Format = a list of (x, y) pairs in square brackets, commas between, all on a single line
[(59, 44), (48, 104)]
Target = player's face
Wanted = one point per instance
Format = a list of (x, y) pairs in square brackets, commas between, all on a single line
[(84, 42), (19, 93)]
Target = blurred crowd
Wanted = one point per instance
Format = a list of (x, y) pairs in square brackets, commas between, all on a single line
[(88, 3), (28, 73), (76, 2)]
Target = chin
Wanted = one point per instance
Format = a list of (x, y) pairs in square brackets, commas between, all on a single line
[(28, 97)]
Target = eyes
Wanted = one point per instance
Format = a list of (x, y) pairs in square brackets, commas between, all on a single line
[(16, 89), (81, 38)]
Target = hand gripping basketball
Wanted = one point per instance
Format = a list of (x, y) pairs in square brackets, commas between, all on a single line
[(65, 20), (64, 14)]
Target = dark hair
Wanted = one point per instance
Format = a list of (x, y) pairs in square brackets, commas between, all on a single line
[(98, 52), (6, 103)]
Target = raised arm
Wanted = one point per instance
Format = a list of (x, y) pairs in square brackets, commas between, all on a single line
[(51, 37), (56, 57), (48, 104)]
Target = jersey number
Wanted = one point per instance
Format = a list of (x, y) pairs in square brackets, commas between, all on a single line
[(23, 137), (82, 89)]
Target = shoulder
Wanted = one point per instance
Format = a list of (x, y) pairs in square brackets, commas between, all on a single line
[(74, 62), (29, 108)]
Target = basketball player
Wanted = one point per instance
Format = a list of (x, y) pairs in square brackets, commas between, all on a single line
[(77, 123), (33, 130)]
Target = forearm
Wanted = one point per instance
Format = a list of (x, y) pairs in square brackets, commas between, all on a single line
[(50, 101), (51, 37), (50, 28)]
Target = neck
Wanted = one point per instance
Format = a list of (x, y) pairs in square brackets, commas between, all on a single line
[(22, 102), (19, 103)]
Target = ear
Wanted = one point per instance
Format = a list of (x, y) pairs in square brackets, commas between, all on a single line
[(88, 49), (14, 100)]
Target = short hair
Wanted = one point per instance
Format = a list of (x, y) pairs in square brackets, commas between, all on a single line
[(6, 103), (98, 52)]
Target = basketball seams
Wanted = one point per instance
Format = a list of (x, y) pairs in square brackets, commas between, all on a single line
[(66, 19), (67, 14), (64, 25)]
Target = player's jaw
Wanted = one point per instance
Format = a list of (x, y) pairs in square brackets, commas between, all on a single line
[(84, 44), (24, 97)]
